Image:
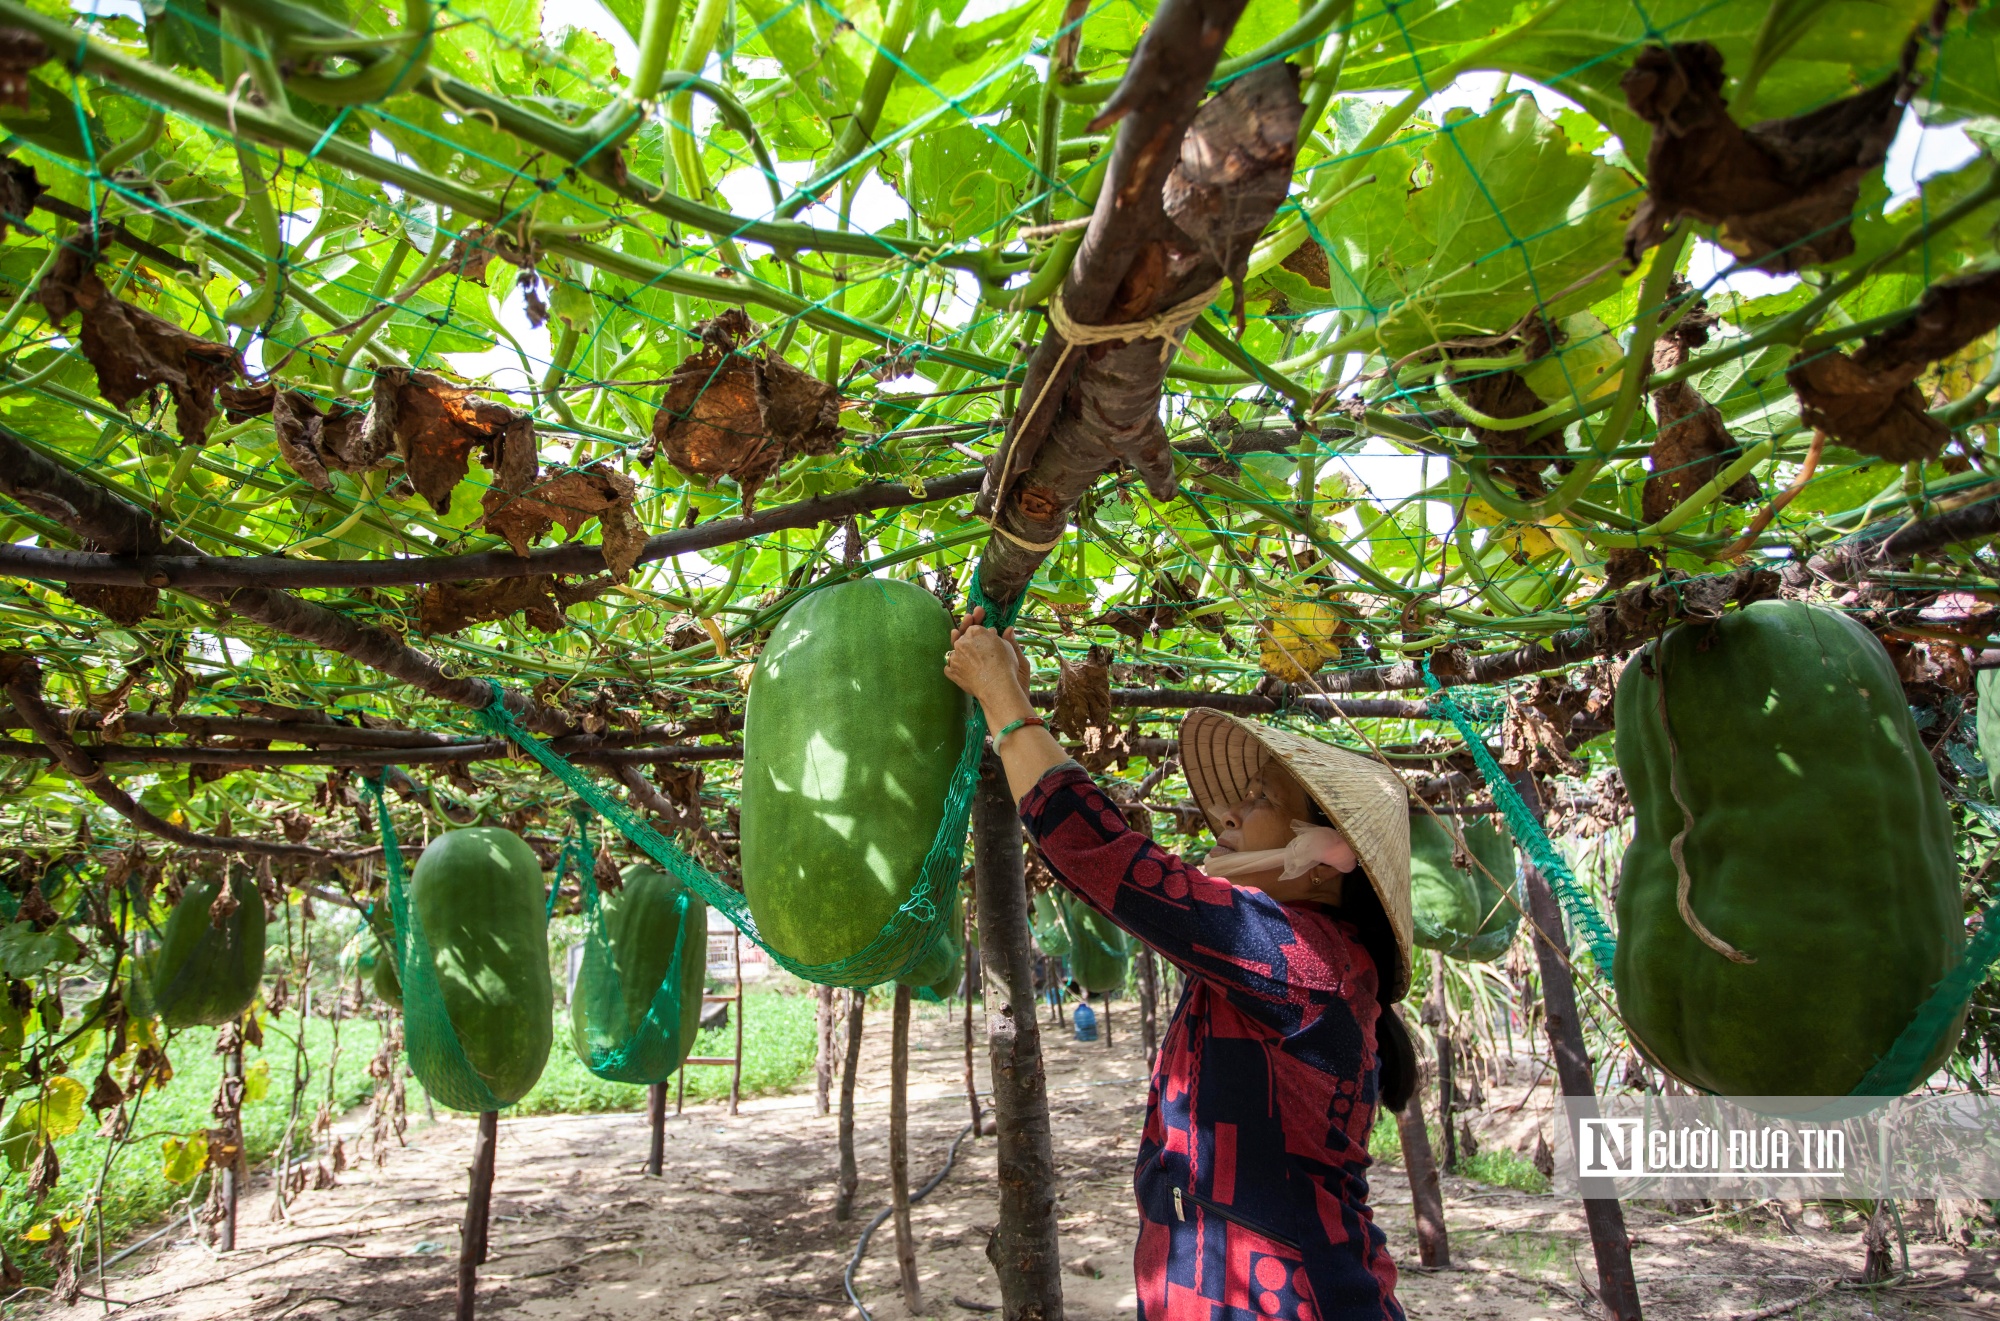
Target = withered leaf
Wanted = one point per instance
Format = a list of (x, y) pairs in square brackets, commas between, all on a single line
[(1692, 444), (436, 426), (539, 598), (1781, 193), (1308, 262), (20, 187), (319, 442), (1505, 395), (125, 606), (20, 52), (1083, 694), (1870, 401), (731, 413), (133, 350), (572, 499)]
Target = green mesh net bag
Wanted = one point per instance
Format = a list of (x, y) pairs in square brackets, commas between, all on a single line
[(636, 1005)]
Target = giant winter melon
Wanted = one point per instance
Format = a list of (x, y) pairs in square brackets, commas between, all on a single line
[(649, 918), (1817, 844), (479, 896), (1466, 912), (1098, 953), (851, 735), (205, 972)]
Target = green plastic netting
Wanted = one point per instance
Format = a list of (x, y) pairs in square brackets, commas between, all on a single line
[(656, 1047), (429, 1037), (1901, 1068), (909, 935)]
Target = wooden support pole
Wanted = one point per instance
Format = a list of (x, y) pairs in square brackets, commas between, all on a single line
[(899, 1150), (1023, 1247), (232, 1126), (1107, 1020), (1605, 1216), (1426, 1193), (850, 1173), (656, 1123), (478, 1206), (1149, 1003), (823, 1072), (971, 1082), (736, 1069), (1440, 1007)]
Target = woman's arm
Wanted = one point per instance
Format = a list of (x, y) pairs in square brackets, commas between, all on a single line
[(992, 667), (1235, 936)]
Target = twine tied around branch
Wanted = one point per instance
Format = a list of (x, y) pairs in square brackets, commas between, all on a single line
[(1169, 326)]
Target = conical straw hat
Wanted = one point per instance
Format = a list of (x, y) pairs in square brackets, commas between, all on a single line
[(1365, 799)]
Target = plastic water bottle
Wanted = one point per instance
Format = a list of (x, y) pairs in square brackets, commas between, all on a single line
[(1086, 1022)]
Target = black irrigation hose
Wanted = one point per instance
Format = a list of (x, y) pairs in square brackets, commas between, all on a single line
[(861, 1248)]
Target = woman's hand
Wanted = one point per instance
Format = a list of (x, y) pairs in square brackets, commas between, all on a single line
[(989, 665)]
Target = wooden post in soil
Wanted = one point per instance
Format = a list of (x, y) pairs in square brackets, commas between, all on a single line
[(1426, 1194), (850, 1173), (1605, 1216), (478, 1205), (970, 985), (230, 1112), (1023, 1247), (823, 1080), (736, 1069), (1107, 1020), (656, 1123), (899, 1150), (1441, 1007), (1149, 1003)]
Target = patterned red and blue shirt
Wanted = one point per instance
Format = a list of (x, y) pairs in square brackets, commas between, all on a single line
[(1253, 1196)]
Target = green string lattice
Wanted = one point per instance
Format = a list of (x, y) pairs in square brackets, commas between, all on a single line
[(910, 933), (436, 1055)]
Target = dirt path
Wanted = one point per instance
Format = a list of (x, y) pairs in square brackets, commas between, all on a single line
[(740, 1228)]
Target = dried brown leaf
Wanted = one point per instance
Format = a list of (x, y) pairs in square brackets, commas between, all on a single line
[(20, 186), (571, 499), (1308, 262), (20, 52), (133, 350), (1692, 444), (1235, 167), (124, 606), (1781, 193), (540, 598), (734, 414), (436, 427)]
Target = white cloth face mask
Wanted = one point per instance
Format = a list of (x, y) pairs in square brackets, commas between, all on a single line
[(1311, 845)]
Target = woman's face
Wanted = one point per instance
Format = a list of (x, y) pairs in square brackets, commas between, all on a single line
[(1263, 820)]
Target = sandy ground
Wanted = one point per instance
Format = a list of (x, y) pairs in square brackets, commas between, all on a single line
[(740, 1227)]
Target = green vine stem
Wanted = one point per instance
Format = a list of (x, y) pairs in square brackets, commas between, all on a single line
[(857, 140), (397, 66)]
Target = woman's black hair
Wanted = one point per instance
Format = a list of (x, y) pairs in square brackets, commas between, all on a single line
[(1361, 907)]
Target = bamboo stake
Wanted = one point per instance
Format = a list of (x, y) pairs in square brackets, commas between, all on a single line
[(899, 1149), (478, 1206), (823, 1063), (1426, 1192), (850, 1174), (656, 1122)]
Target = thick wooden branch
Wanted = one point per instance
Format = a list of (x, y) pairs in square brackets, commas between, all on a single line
[(578, 749), (317, 734), (1894, 543), (1221, 169), (193, 571), (109, 522), (23, 678)]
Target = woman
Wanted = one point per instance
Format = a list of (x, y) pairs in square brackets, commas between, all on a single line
[(1250, 1182)]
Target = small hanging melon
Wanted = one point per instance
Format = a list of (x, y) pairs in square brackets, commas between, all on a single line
[(645, 922), (1463, 911), (1817, 846), (851, 736), (945, 961), (209, 972), (478, 894)]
